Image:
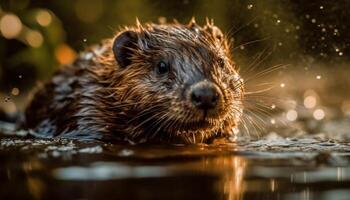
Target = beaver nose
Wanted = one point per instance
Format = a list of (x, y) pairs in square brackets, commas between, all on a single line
[(205, 96)]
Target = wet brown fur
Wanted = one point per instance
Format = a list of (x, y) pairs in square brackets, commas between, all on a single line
[(94, 98)]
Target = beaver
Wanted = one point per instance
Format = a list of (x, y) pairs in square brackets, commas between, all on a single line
[(167, 82)]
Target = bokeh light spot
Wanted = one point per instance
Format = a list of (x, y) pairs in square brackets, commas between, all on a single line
[(10, 26), (319, 114), (65, 54), (34, 38), (44, 18), (15, 91), (310, 102), (291, 115)]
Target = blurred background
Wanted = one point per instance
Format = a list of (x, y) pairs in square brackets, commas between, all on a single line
[(311, 37)]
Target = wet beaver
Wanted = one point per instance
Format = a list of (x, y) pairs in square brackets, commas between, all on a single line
[(155, 82)]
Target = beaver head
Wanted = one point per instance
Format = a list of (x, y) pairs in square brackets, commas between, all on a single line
[(175, 82)]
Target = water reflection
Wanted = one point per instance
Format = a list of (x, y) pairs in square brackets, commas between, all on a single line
[(161, 172), (231, 183)]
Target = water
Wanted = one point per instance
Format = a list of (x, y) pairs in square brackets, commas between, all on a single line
[(270, 168)]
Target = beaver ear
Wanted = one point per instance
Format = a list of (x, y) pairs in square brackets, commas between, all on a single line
[(213, 30), (123, 47)]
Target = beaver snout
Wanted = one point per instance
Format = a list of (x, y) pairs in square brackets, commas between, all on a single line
[(205, 95)]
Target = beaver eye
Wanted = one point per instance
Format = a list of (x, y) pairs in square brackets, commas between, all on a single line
[(162, 67)]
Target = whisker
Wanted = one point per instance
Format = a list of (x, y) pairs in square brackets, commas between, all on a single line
[(249, 43), (241, 27)]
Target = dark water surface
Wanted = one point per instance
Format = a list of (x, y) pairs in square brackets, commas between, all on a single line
[(270, 168)]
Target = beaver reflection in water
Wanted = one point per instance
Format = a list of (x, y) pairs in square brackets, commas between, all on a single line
[(158, 82)]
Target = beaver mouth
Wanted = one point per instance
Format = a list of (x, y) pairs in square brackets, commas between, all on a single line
[(196, 121), (193, 125)]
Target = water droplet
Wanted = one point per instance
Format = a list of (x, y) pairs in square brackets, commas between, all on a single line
[(340, 53), (15, 91), (323, 29), (280, 44), (291, 115), (242, 47), (313, 20), (318, 77), (278, 21), (319, 114), (297, 27), (273, 121), (84, 40), (282, 85), (273, 106), (250, 6), (19, 76), (336, 32), (321, 7), (310, 102)]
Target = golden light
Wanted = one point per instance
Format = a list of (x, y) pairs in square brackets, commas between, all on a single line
[(162, 20), (272, 185), (319, 114), (310, 102), (292, 115), (282, 85), (64, 54), (273, 121), (10, 26), (34, 38), (44, 18), (233, 183), (15, 91)]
